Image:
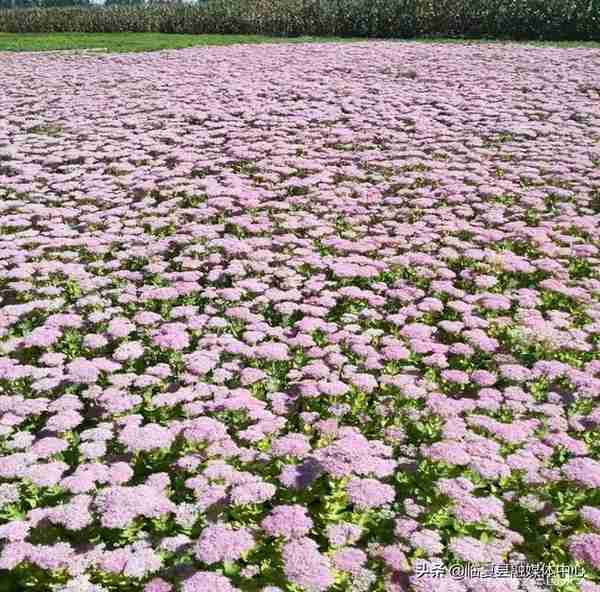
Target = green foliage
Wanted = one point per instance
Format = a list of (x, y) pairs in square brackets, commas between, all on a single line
[(530, 19)]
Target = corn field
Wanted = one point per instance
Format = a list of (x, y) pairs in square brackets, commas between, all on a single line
[(517, 19)]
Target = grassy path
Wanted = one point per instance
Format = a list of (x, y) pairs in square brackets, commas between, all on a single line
[(126, 42), (121, 42)]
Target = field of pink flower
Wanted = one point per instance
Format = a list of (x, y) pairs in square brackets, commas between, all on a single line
[(300, 318)]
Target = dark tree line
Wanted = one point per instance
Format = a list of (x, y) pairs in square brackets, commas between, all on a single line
[(78, 3)]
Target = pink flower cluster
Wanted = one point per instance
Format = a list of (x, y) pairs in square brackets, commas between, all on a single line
[(283, 315)]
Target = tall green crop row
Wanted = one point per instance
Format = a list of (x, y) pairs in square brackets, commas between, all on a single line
[(519, 19)]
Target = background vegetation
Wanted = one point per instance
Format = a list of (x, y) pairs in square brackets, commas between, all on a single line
[(516, 19)]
